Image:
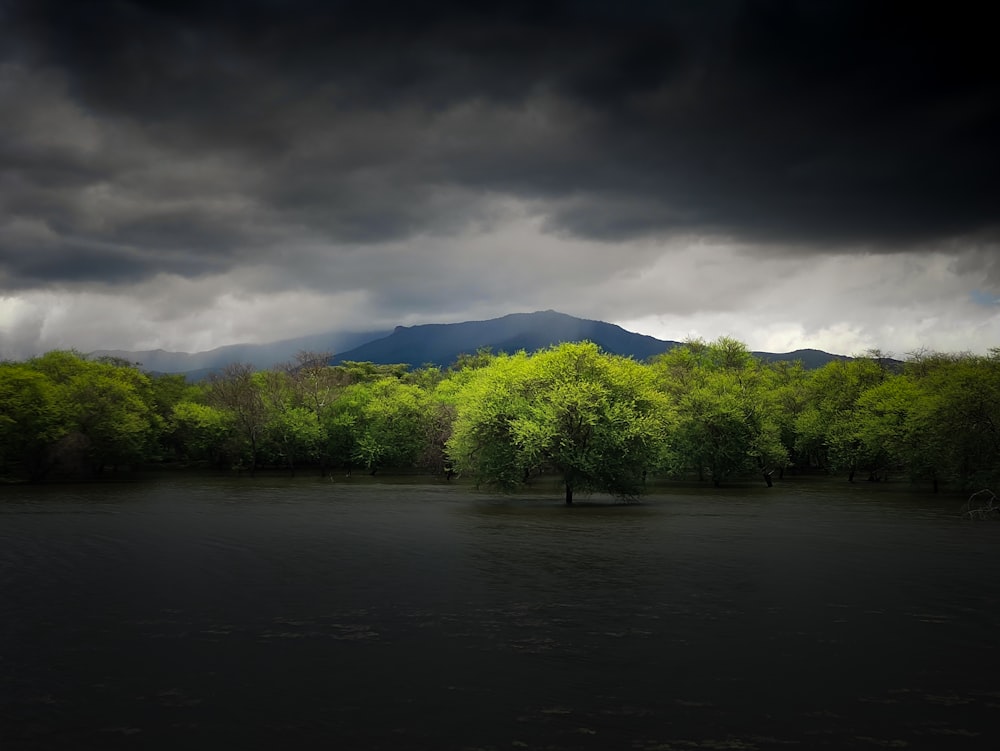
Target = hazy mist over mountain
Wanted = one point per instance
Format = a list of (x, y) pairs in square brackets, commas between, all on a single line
[(434, 344)]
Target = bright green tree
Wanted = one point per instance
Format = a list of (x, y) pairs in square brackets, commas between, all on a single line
[(31, 421), (380, 424), (729, 420), (830, 428), (956, 425), (596, 420), (200, 432), (110, 406)]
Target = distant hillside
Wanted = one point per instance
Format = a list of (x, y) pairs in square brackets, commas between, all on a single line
[(262, 356), (441, 343), (436, 343), (810, 358)]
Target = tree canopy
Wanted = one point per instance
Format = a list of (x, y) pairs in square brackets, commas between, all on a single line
[(597, 422)]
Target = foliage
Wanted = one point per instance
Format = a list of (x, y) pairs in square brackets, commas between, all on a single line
[(597, 421), (65, 413), (729, 419), (31, 420), (594, 419), (829, 427), (381, 424), (200, 432), (239, 392)]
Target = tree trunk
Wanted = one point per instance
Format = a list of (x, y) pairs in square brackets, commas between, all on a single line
[(569, 494)]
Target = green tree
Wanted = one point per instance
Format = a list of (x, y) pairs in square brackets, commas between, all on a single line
[(386, 423), (295, 435), (110, 407), (107, 411), (829, 429), (729, 421), (238, 391), (956, 424), (595, 419), (31, 421), (200, 432)]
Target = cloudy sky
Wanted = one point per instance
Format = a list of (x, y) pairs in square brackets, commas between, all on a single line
[(185, 174)]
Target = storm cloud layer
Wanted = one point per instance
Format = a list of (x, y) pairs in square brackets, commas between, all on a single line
[(406, 162)]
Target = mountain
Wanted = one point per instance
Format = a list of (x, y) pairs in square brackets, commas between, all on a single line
[(436, 343), (441, 343), (810, 358), (261, 356)]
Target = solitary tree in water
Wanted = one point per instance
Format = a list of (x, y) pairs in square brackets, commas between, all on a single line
[(595, 419)]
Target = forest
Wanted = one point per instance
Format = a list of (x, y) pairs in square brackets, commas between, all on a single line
[(709, 411)]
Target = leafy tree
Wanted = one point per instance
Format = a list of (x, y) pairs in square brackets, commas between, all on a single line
[(595, 419), (784, 384), (385, 423), (829, 428), (956, 425), (728, 420), (483, 357), (200, 432), (238, 391), (487, 403), (31, 420), (97, 413), (884, 423), (110, 407), (295, 435), (369, 372)]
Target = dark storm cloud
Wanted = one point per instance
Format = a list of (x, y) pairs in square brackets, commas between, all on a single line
[(813, 125)]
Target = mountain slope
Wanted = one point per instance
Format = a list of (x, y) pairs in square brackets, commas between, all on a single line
[(810, 358), (261, 356), (438, 343), (442, 343)]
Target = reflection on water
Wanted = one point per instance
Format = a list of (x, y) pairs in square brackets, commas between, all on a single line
[(220, 613)]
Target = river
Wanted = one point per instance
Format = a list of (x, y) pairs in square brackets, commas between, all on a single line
[(220, 612)]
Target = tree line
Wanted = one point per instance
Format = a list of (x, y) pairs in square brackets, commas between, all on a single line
[(597, 421)]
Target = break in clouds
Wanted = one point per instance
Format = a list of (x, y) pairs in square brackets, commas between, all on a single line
[(187, 175)]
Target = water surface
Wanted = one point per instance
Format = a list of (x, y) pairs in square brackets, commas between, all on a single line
[(268, 613)]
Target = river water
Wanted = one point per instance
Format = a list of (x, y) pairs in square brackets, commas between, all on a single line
[(277, 613)]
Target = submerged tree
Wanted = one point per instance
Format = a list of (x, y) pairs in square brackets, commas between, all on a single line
[(380, 424), (595, 419), (31, 420), (832, 426), (729, 419)]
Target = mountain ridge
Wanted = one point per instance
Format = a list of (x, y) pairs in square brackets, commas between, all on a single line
[(440, 344), (437, 344), (260, 356)]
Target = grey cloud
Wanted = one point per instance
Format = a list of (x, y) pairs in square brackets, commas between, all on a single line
[(981, 261), (806, 127)]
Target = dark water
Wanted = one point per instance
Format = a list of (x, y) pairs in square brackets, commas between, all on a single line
[(274, 613)]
